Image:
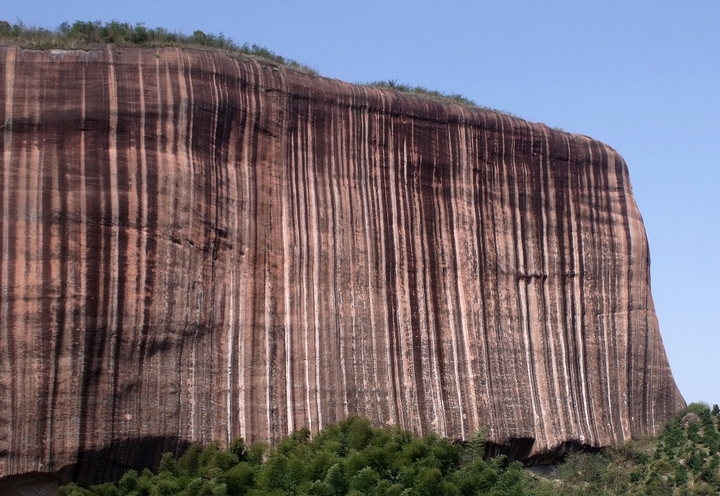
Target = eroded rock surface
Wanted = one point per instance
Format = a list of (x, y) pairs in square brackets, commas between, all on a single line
[(195, 246)]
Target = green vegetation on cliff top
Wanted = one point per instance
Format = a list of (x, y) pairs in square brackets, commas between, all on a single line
[(86, 34), (354, 458)]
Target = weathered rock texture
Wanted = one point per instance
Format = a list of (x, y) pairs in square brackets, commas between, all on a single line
[(195, 246)]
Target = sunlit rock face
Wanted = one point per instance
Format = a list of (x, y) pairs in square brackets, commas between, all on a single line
[(196, 246)]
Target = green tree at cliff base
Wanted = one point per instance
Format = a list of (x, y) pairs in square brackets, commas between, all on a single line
[(354, 458)]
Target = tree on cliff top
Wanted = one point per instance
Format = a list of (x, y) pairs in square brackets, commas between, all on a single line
[(83, 34)]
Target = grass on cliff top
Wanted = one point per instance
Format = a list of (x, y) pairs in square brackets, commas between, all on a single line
[(354, 458), (420, 90), (434, 95), (85, 34)]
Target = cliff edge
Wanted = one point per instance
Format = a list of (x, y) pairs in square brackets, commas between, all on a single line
[(199, 246)]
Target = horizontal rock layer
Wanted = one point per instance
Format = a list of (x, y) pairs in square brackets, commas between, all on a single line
[(197, 246)]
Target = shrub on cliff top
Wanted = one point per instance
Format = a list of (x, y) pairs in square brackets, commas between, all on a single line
[(433, 95), (82, 34), (420, 90)]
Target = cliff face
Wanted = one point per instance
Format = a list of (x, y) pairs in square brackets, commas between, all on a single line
[(197, 247)]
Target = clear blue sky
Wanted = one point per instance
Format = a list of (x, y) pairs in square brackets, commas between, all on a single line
[(642, 76)]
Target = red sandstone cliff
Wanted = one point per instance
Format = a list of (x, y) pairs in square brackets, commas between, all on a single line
[(195, 246)]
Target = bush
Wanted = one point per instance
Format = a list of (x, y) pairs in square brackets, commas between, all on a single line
[(73, 490), (81, 34), (420, 90), (354, 457)]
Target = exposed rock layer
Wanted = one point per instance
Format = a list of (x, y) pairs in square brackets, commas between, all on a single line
[(195, 246)]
